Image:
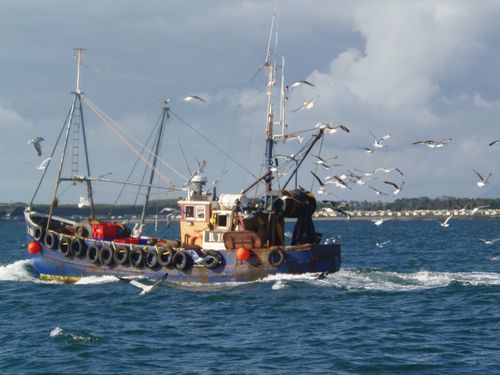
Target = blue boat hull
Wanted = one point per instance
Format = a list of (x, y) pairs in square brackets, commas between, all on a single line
[(52, 264)]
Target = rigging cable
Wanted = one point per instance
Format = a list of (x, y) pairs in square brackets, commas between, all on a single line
[(114, 126), (215, 146)]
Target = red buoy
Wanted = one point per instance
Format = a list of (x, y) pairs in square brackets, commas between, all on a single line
[(34, 247), (242, 254)]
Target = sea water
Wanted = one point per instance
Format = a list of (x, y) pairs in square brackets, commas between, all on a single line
[(427, 302)]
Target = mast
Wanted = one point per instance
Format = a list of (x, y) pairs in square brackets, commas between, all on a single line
[(269, 113), (76, 107), (159, 136)]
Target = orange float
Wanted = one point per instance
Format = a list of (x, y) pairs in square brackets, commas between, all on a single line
[(34, 247), (242, 254)]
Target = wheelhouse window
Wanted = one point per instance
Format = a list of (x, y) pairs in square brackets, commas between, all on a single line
[(189, 212), (221, 220), (200, 213)]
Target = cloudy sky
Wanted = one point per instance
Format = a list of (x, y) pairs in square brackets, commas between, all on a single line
[(417, 70)]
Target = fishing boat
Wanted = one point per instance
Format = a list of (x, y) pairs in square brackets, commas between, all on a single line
[(223, 237)]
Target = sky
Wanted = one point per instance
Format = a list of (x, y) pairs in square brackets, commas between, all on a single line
[(416, 70)]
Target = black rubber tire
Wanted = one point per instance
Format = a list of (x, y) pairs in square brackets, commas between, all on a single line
[(166, 256), (120, 255), (136, 257), (38, 233), (51, 240), (182, 260), (78, 247), (106, 255), (82, 231), (276, 257), (93, 254), (151, 259), (212, 259), (65, 246)]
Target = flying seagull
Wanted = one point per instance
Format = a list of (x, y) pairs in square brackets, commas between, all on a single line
[(320, 161), (493, 142), (377, 142), (382, 244), (445, 223), (299, 83), (434, 144), (307, 105), (387, 170), (483, 181), (43, 164), (475, 209), (378, 192), (489, 242), (397, 187), (338, 207), (84, 202), (331, 129), (337, 181), (190, 98), (36, 143), (145, 288), (379, 222)]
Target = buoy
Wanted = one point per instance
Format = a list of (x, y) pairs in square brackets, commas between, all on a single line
[(34, 247), (242, 254)]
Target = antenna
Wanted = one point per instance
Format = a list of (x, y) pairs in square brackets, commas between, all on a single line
[(78, 52)]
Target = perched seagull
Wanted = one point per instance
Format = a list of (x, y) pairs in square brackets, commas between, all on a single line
[(299, 83), (84, 202), (145, 288), (434, 144), (398, 188), (331, 129), (377, 142), (381, 245), (378, 192), (307, 105), (43, 164), (483, 180), (445, 223), (492, 143), (137, 230), (379, 222), (292, 137), (190, 98), (36, 143), (489, 242)]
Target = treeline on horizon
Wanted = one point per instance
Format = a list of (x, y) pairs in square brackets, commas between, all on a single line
[(402, 204)]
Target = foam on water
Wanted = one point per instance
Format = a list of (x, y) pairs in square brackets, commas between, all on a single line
[(352, 279), (278, 285), (95, 280), (18, 271)]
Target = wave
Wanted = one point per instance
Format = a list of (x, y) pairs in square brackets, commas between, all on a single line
[(352, 279), (73, 337)]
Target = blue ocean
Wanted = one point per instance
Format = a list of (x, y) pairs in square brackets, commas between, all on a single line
[(427, 302)]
